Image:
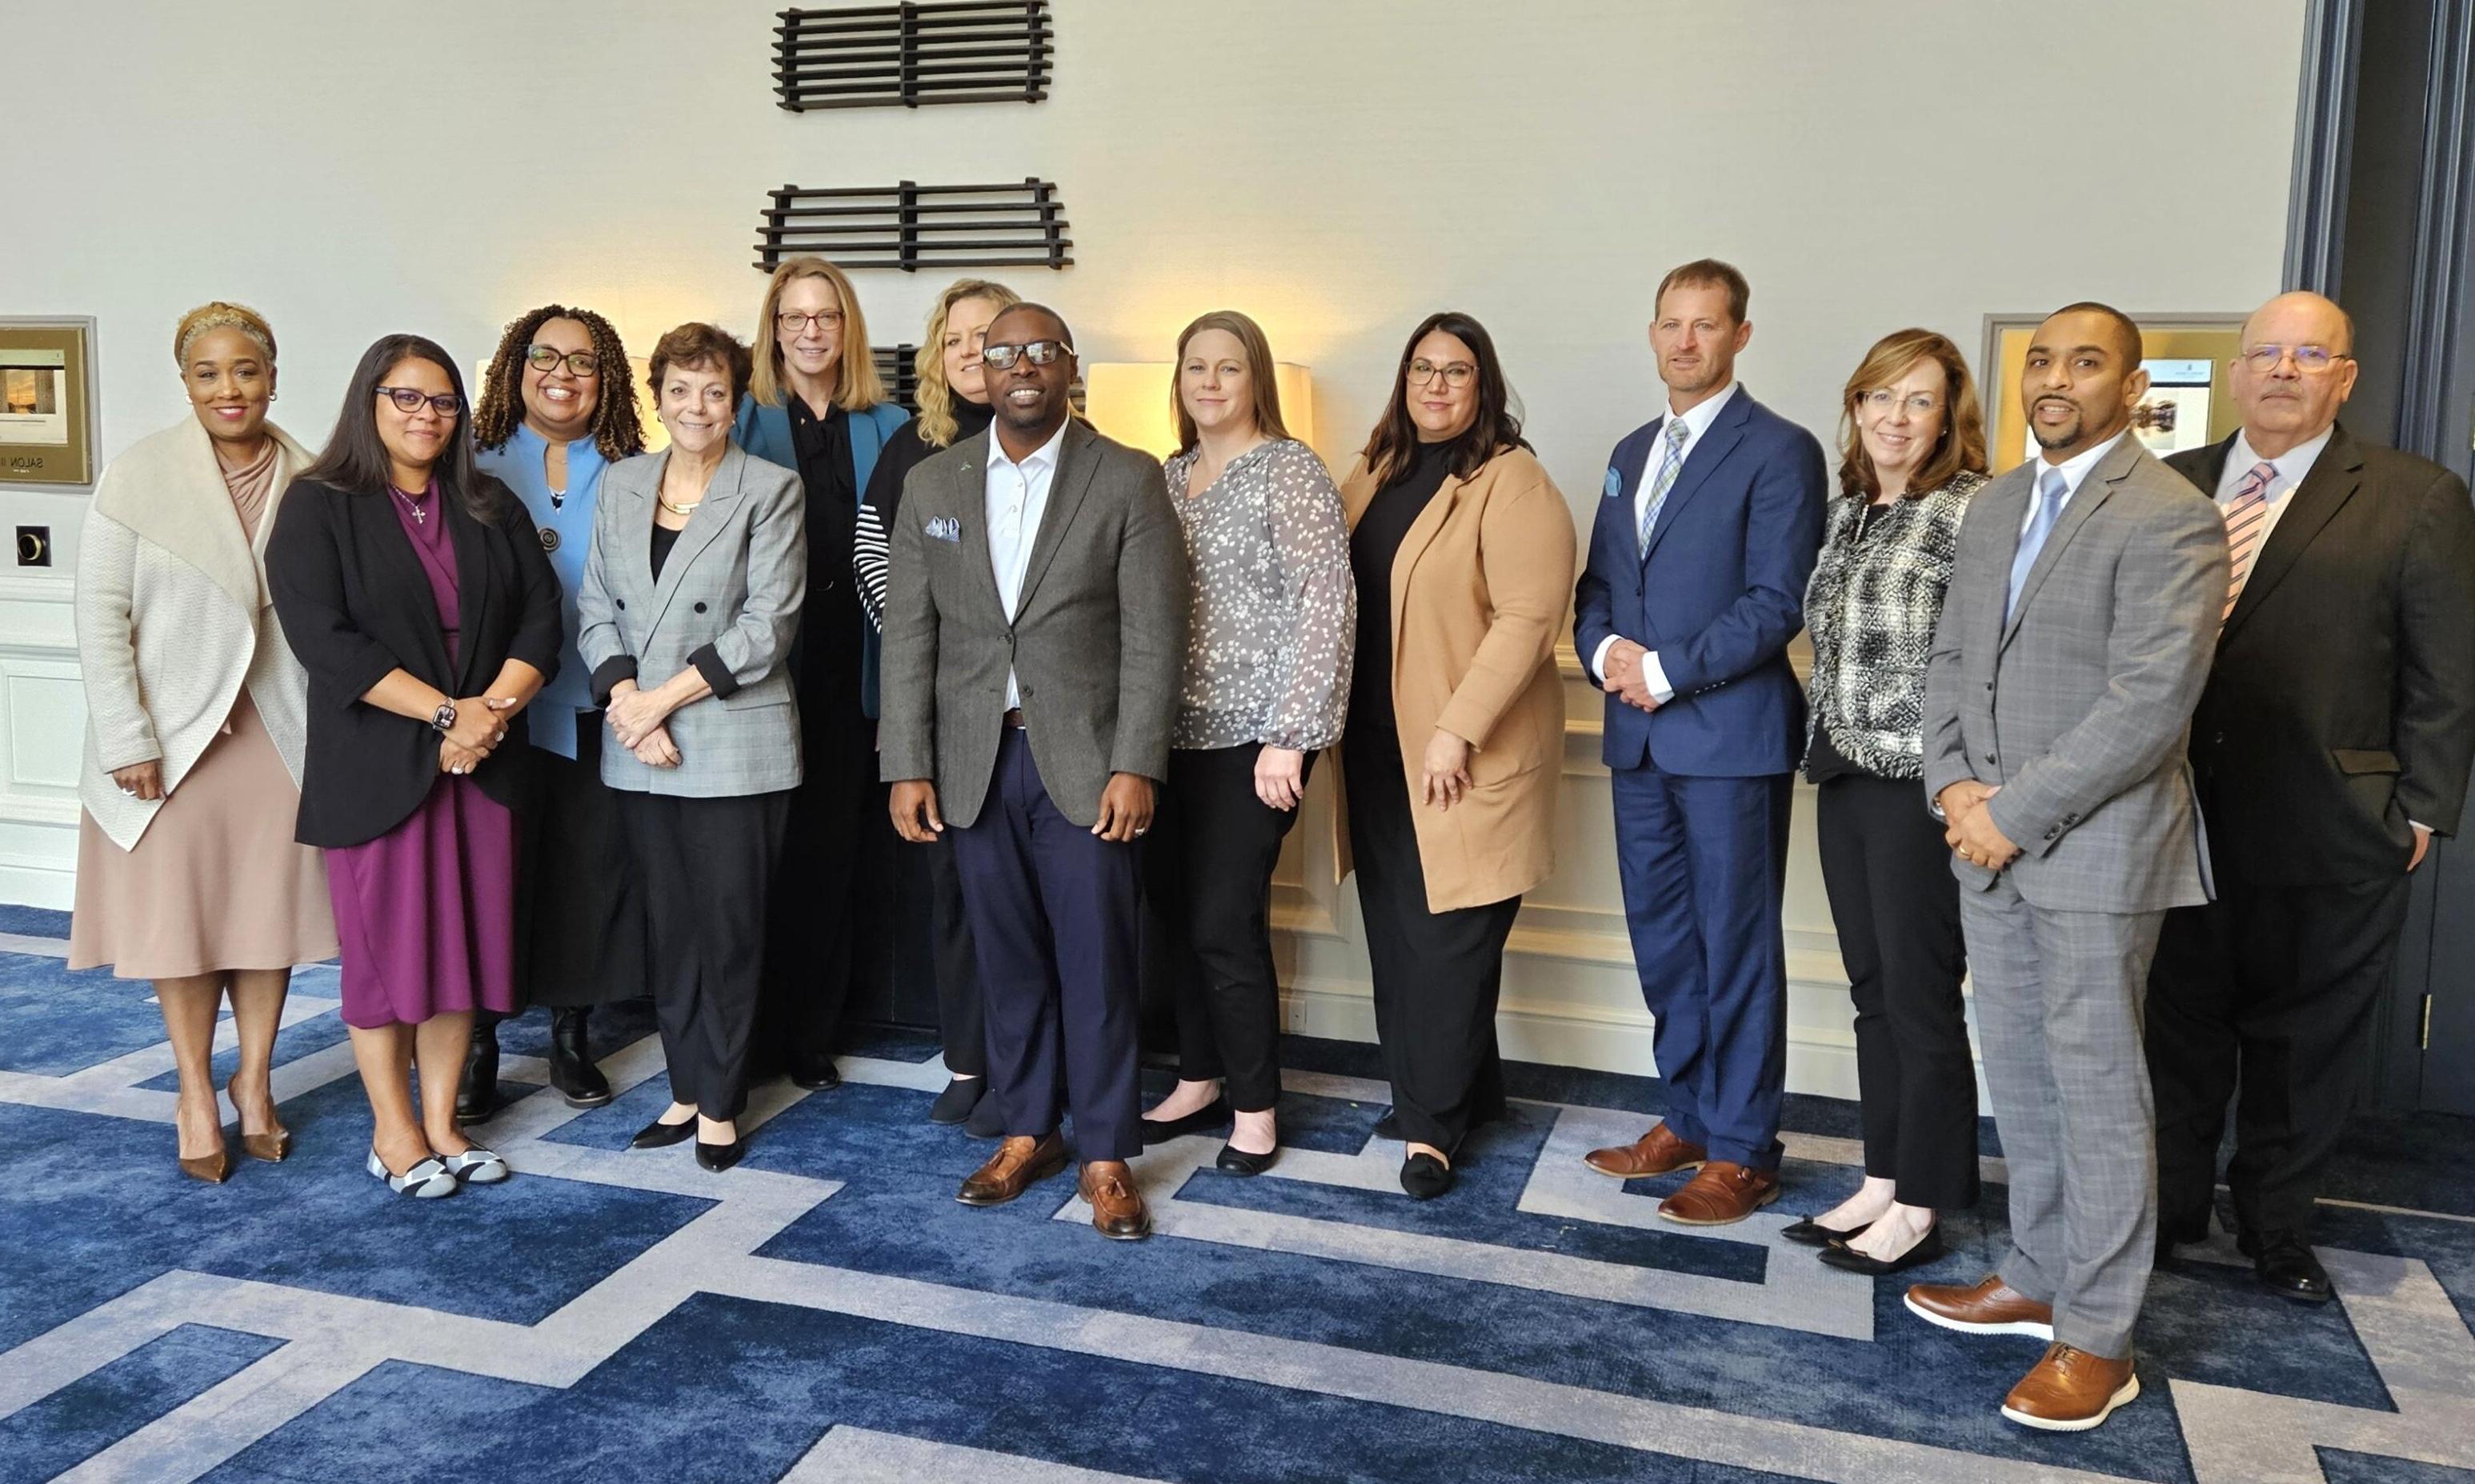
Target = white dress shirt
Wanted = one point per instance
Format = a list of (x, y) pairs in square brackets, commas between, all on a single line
[(2291, 466), (1016, 496), (1697, 422)]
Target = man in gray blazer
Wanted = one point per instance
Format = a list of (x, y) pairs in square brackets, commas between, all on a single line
[(2084, 601), (1035, 629)]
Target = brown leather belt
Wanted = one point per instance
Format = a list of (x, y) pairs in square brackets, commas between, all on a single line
[(1014, 719)]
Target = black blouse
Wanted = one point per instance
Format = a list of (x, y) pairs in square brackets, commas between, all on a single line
[(825, 653), (1382, 527)]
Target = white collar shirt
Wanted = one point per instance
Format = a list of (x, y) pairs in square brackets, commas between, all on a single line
[(1015, 496), (2074, 470)]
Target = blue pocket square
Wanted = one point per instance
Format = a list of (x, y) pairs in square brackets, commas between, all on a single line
[(943, 528), (1615, 484)]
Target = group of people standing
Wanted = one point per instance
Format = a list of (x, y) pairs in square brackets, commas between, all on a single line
[(513, 712)]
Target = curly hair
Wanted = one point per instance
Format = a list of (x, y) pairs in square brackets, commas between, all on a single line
[(617, 432), (220, 314), (702, 346), (937, 424)]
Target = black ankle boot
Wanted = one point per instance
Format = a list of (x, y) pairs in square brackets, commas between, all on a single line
[(571, 1061), (477, 1097)]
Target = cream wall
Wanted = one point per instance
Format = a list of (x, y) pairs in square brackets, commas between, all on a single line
[(1336, 167)]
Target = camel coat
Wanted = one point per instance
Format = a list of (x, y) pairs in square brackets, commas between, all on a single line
[(1481, 589)]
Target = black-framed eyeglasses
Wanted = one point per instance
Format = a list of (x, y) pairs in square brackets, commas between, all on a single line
[(1456, 373), (408, 398), (2310, 360), (1040, 352), (579, 363), (790, 322)]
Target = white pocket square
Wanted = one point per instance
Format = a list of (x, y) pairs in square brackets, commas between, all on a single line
[(943, 528)]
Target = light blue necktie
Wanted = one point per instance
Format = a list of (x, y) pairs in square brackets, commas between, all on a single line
[(1669, 464), (2051, 488)]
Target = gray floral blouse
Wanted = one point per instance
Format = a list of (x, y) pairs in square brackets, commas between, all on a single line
[(1274, 609)]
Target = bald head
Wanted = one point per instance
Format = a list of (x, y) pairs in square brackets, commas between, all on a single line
[(2296, 368)]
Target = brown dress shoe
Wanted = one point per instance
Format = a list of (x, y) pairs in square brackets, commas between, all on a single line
[(1721, 1194), (1987, 1306), (1117, 1208), (2071, 1390), (1656, 1153), (1018, 1161)]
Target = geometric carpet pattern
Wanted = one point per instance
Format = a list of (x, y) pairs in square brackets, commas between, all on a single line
[(826, 1311)]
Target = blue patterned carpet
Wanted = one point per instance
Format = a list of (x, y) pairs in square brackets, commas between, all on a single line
[(827, 1311)]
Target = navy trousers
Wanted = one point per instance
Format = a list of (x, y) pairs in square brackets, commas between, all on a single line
[(1053, 909), (1704, 863)]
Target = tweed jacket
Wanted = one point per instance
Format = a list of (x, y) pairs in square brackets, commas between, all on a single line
[(1871, 608), (174, 618), (1096, 640), (727, 601), (2078, 708)]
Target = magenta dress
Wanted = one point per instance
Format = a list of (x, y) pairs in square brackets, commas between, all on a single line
[(426, 912)]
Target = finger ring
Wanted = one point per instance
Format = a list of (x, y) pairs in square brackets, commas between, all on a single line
[(132, 792), (1146, 829)]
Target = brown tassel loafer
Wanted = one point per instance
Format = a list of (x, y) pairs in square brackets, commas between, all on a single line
[(1117, 1208), (1018, 1163)]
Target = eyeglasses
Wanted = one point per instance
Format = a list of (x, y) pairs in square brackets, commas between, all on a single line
[(1456, 373), (2309, 359), (1881, 398), (579, 363), (792, 323), (409, 399), (1040, 352)]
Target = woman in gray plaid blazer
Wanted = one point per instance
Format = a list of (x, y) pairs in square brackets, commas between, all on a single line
[(1912, 451), (691, 596)]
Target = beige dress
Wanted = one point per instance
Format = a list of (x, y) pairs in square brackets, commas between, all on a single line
[(216, 882)]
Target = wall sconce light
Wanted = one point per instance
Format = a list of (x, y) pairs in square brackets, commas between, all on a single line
[(1129, 400)]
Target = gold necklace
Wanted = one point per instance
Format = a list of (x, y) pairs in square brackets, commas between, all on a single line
[(664, 501)]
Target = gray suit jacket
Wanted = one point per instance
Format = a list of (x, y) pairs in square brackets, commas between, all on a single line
[(1097, 641), (2079, 709), (727, 602)]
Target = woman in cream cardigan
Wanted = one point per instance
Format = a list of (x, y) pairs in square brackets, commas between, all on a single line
[(187, 873), (1462, 551)]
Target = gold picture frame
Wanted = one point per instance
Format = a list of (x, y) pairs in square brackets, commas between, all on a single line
[(47, 404), (2189, 404)]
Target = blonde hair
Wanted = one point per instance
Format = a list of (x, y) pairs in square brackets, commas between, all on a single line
[(1259, 376), (857, 387), (220, 315), (1961, 446), (937, 424)]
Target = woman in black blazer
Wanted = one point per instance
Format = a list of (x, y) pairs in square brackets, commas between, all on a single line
[(420, 602)]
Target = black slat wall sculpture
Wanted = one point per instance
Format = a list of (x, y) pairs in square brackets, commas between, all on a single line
[(910, 225), (880, 55), (898, 366)]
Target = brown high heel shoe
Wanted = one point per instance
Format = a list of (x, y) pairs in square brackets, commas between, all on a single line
[(215, 1169), (272, 1147)]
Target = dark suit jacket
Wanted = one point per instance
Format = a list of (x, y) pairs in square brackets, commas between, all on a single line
[(355, 604), (2342, 703), (1717, 596), (1097, 639)]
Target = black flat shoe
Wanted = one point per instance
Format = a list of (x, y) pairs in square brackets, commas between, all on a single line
[(954, 1104), (572, 1071), (1210, 1115), (1929, 1247), (719, 1157), (477, 1096), (1388, 1127), (2284, 1265), (658, 1135), (1426, 1176), (816, 1076), (1233, 1160), (1813, 1233)]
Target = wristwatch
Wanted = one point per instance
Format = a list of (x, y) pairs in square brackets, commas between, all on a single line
[(443, 719)]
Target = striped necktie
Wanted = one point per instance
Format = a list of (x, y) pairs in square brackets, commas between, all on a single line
[(1670, 463), (2246, 520)]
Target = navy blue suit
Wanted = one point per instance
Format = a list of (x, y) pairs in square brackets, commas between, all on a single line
[(1702, 785)]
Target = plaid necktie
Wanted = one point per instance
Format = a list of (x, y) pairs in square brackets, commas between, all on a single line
[(2246, 521), (1669, 464)]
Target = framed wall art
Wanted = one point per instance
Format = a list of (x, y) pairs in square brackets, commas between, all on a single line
[(47, 422)]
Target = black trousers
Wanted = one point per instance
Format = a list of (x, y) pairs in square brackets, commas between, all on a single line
[(837, 815), (962, 1023), (581, 932), (2264, 995), (1895, 907), (1437, 975), (707, 865), (1208, 885)]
